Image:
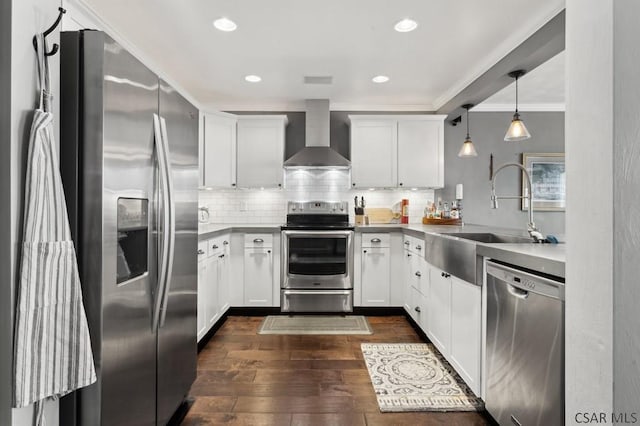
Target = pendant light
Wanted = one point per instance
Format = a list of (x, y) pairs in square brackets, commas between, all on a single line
[(517, 130), (467, 149)]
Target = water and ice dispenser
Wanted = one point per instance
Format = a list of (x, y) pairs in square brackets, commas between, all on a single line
[(133, 234)]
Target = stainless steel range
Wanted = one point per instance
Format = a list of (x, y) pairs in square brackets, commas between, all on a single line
[(317, 258)]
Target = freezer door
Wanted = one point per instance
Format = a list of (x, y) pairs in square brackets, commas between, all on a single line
[(177, 346), (109, 100)]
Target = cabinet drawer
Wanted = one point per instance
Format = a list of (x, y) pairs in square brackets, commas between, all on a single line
[(375, 240), (202, 250), (414, 245), (421, 278), (214, 246), (418, 308), (258, 240)]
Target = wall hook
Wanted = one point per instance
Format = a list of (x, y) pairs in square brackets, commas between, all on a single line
[(54, 49)]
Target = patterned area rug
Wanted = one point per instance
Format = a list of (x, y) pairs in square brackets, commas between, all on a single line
[(415, 377), (302, 324)]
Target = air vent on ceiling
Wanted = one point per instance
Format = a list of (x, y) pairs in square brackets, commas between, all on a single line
[(318, 79)]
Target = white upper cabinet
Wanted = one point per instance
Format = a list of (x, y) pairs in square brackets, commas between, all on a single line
[(219, 150), (421, 152), (260, 145), (389, 151), (374, 152)]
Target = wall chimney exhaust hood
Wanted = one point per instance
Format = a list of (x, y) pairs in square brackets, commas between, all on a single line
[(317, 154)]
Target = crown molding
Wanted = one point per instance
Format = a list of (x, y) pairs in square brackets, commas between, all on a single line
[(547, 107), (299, 106)]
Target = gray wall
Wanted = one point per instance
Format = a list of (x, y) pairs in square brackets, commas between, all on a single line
[(6, 301), (487, 132)]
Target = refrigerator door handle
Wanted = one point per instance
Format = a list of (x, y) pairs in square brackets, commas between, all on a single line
[(171, 235), (163, 201)]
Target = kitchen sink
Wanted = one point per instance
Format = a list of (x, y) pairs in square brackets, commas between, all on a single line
[(487, 237)]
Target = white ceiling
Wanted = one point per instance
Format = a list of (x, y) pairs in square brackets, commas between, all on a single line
[(542, 89), (351, 40)]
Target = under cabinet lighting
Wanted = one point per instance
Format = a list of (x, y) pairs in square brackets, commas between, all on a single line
[(225, 24), (380, 79), (253, 78), (405, 25)]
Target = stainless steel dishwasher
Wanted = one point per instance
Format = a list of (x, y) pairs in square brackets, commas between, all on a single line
[(525, 347)]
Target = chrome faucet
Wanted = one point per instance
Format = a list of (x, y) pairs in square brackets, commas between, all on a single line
[(535, 234)]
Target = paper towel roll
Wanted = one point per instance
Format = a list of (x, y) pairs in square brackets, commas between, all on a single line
[(459, 191)]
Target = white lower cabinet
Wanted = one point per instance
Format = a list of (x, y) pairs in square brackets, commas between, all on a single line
[(454, 323), (258, 276), (466, 314), (376, 270), (213, 282), (439, 330), (202, 284)]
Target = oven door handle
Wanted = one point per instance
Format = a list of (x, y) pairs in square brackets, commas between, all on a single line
[(319, 292)]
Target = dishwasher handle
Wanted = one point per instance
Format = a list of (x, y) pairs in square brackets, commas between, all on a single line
[(517, 292), (524, 281)]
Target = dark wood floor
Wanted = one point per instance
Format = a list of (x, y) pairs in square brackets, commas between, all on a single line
[(250, 379)]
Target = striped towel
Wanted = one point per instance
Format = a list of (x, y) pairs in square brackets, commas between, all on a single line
[(52, 349)]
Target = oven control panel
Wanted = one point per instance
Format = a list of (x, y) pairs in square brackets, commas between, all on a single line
[(317, 207)]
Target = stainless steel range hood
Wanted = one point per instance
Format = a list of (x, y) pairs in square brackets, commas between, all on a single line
[(317, 153)]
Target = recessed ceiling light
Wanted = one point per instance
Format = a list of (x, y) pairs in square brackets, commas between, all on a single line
[(406, 25), (225, 24), (380, 79), (253, 78)]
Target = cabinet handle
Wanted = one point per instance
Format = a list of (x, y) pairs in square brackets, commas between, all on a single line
[(268, 251), (353, 184), (364, 251), (417, 309), (233, 184), (442, 274), (279, 185), (447, 275), (215, 246), (418, 274), (408, 254), (221, 256), (226, 243), (200, 251), (400, 183), (376, 240), (258, 240), (406, 243), (418, 247)]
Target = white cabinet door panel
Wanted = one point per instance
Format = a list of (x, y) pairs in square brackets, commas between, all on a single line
[(376, 269), (374, 154), (260, 151), (466, 311), (258, 277), (420, 153), (219, 151)]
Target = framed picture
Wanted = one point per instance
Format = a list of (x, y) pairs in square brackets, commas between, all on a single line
[(548, 181)]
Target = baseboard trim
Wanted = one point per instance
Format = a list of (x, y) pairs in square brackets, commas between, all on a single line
[(385, 311), (214, 329)]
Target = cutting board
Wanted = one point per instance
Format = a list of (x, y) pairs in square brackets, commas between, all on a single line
[(380, 215)]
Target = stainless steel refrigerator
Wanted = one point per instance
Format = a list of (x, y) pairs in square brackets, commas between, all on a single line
[(129, 163)]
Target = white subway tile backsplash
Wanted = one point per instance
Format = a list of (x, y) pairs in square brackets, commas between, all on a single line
[(269, 205)]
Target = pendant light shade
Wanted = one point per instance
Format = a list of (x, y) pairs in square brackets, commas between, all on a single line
[(467, 149), (517, 130)]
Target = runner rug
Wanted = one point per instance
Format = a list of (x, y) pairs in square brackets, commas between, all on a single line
[(322, 324), (415, 377)]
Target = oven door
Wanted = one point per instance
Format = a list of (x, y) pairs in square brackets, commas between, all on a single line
[(319, 260)]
